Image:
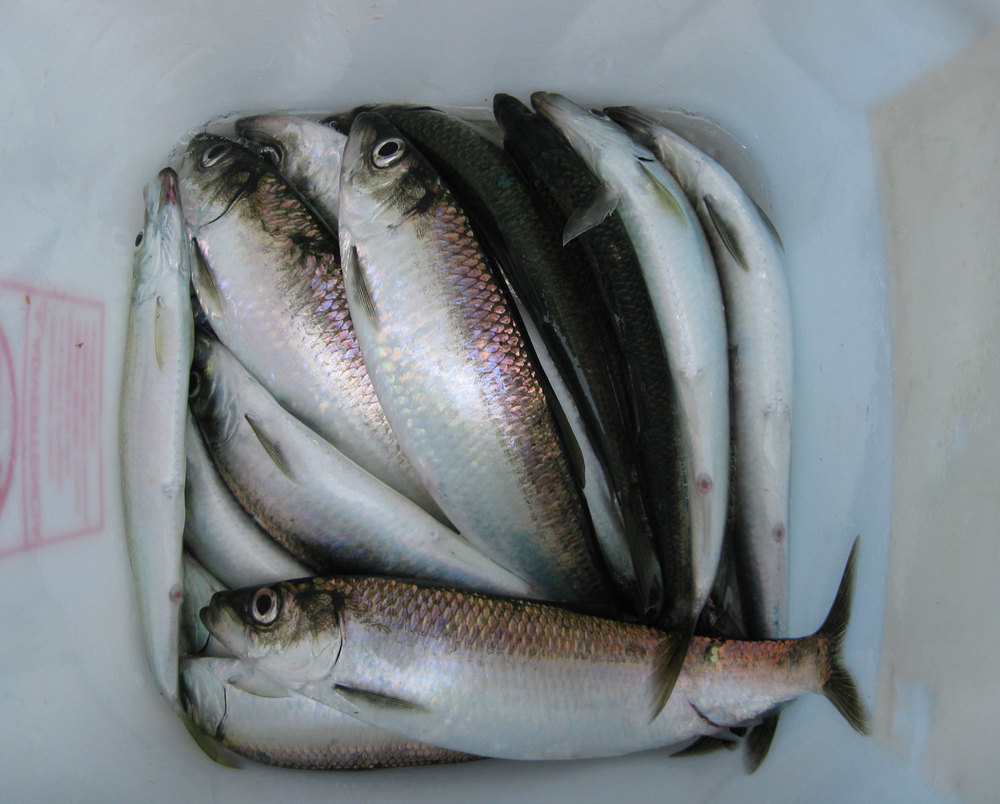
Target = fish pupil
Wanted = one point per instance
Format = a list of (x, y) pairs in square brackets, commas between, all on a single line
[(213, 154), (263, 604), (138, 240)]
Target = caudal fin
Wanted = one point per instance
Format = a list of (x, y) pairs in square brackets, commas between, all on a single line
[(840, 688)]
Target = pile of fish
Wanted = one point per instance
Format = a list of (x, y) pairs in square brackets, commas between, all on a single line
[(444, 440)]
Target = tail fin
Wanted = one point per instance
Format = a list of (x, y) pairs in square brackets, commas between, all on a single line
[(670, 656), (840, 688)]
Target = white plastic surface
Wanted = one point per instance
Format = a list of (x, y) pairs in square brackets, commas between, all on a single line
[(92, 98)]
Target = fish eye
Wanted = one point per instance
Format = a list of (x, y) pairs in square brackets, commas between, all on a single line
[(388, 152), (138, 239), (270, 154), (214, 154), (264, 606)]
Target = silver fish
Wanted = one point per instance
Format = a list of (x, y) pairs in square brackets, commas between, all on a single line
[(516, 679), (325, 509), (158, 350), (684, 288), (267, 273), (288, 729), (222, 534), (307, 153), (452, 370), (758, 314)]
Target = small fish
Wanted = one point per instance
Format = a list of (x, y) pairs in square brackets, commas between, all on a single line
[(516, 679), (449, 361), (158, 349), (684, 288), (289, 730), (325, 509), (221, 533), (307, 153), (748, 257), (267, 273)]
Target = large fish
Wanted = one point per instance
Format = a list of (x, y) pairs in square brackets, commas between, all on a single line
[(747, 254), (517, 679), (565, 306), (307, 153), (564, 185), (221, 533), (287, 729), (452, 370), (325, 509), (158, 349), (267, 273), (682, 282)]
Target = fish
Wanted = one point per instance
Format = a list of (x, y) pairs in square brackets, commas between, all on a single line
[(564, 185), (748, 256), (684, 288), (519, 679), (221, 534), (322, 507), (449, 362), (158, 348), (289, 730), (307, 153), (267, 274), (563, 305)]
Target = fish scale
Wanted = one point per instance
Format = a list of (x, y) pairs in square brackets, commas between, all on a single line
[(454, 374)]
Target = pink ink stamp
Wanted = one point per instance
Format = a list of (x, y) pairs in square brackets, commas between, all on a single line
[(51, 405)]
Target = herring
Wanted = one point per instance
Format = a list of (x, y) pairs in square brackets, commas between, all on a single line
[(267, 273), (452, 370), (290, 730), (158, 349), (517, 679), (221, 534), (323, 508), (684, 288)]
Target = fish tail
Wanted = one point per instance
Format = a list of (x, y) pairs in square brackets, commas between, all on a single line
[(840, 687), (669, 661)]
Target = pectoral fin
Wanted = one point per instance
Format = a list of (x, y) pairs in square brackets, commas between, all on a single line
[(727, 233), (365, 700), (360, 285), (587, 217), (271, 447)]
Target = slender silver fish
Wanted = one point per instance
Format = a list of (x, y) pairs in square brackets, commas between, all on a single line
[(158, 349), (516, 679), (288, 729), (307, 153), (325, 509), (452, 369), (267, 273), (684, 288), (221, 533), (758, 313)]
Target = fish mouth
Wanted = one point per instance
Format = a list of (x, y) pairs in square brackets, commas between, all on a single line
[(168, 187)]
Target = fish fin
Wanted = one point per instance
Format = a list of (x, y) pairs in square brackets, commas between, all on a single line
[(213, 750), (669, 660), (362, 291), (158, 334), (586, 217), (706, 745), (727, 234), (365, 699), (204, 281), (758, 743), (271, 447), (840, 688), (670, 200), (648, 573), (769, 224)]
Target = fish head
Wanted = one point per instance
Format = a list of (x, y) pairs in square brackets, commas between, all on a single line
[(212, 390), (203, 691), (291, 630), (158, 245), (303, 150), (383, 177), (591, 133), (215, 173)]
